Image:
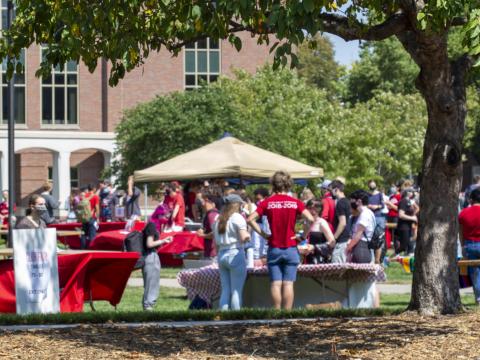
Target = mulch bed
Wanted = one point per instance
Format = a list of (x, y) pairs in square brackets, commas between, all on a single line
[(406, 336)]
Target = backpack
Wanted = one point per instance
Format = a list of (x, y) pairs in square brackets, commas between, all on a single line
[(134, 243), (378, 238), (84, 210)]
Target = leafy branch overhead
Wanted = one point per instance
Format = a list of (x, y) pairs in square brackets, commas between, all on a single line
[(125, 32)]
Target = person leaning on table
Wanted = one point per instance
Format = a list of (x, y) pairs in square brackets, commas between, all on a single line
[(33, 220), (230, 234), (151, 269), (282, 255)]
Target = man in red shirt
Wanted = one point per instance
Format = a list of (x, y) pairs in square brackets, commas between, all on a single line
[(469, 232), (282, 256), (328, 203), (174, 200), (94, 199)]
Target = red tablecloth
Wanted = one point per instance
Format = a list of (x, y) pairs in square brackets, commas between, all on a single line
[(73, 242), (182, 242), (82, 276)]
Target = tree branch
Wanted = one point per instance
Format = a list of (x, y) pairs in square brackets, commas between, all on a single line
[(349, 29)]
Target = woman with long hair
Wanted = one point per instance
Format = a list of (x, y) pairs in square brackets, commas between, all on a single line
[(230, 234), (320, 237)]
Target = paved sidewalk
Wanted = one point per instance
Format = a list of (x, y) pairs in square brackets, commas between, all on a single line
[(383, 288)]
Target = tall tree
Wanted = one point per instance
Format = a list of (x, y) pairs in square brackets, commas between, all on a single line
[(125, 32), (383, 66), (382, 138), (317, 65)]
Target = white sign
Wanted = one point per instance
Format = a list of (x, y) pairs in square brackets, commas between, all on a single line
[(36, 271)]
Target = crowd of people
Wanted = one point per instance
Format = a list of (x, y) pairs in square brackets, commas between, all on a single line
[(273, 227), (280, 229)]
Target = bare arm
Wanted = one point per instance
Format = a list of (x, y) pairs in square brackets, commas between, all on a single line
[(244, 235), (253, 223), (175, 211), (130, 186), (391, 205), (154, 243), (403, 216), (342, 224), (355, 238), (325, 229), (306, 215)]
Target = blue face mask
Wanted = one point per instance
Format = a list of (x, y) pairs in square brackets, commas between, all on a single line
[(40, 208)]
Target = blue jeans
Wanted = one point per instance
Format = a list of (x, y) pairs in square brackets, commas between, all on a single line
[(89, 231), (233, 272), (381, 221), (472, 251)]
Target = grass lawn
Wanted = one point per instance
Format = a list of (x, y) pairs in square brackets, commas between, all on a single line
[(165, 273), (172, 299), (396, 274), (173, 306)]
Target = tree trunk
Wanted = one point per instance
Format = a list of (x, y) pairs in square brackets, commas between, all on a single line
[(435, 286)]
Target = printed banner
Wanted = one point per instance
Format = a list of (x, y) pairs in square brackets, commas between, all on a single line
[(36, 271)]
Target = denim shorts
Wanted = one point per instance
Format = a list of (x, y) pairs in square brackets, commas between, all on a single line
[(283, 263)]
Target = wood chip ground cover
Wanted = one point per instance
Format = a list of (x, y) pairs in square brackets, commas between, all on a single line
[(406, 336)]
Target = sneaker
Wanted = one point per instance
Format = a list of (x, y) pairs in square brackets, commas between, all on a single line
[(148, 308)]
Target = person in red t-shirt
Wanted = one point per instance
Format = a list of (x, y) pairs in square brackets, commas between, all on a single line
[(282, 256), (328, 204), (174, 200), (469, 220), (94, 199)]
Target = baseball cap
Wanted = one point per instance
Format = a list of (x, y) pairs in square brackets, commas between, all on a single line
[(233, 198), (325, 184)]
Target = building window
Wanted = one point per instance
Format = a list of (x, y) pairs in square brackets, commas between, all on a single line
[(74, 178), (50, 174), (60, 95), (19, 81), (18, 96), (202, 63)]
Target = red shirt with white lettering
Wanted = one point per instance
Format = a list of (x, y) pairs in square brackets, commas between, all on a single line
[(281, 211), (469, 218)]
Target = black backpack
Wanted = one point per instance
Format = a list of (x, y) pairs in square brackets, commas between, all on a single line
[(378, 238), (134, 243)]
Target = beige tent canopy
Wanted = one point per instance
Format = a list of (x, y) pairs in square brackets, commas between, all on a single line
[(228, 157)]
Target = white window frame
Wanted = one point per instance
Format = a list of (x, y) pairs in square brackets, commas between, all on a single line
[(65, 85), (197, 73), (4, 87)]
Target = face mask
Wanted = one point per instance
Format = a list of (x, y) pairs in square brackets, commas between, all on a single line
[(168, 192), (354, 205), (372, 187), (334, 196), (40, 208)]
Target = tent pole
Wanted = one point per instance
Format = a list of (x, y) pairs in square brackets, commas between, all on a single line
[(11, 141), (145, 192)]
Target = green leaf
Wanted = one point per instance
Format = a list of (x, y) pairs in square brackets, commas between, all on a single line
[(238, 43), (308, 5)]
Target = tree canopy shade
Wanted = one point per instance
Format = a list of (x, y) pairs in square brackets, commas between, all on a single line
[(124, 32)]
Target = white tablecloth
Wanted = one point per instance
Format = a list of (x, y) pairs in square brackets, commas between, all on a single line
[(351, 284)]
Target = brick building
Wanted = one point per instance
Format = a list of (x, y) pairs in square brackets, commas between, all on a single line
[(65, 124)]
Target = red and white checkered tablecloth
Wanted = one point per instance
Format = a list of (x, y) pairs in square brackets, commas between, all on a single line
[(205, 282)]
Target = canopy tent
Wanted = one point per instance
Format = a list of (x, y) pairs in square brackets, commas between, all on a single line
[(227, 157)]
